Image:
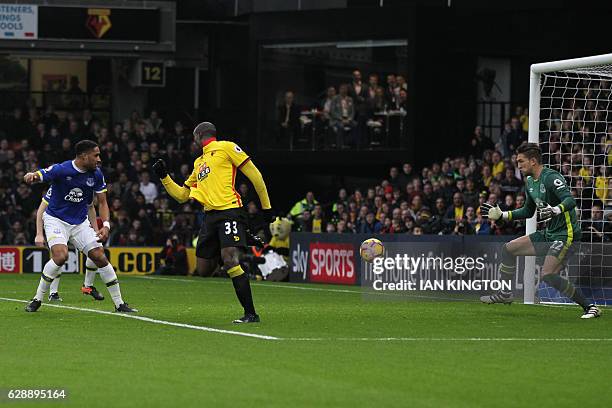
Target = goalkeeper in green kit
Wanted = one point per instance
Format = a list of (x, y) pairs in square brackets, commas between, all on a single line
[(548, 194)]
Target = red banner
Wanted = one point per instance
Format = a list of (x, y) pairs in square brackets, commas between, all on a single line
[(9, 260), (332, 263)]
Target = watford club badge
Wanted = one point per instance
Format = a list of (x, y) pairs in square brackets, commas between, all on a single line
[(203, 171), (98, 21)]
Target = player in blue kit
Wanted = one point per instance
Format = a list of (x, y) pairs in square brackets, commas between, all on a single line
[(73, 184)]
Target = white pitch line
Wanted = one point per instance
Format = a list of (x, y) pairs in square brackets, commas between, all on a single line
[(148, 319), (443, 339), (263, 337)]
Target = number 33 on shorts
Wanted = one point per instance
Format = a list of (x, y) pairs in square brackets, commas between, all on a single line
[(231, 227)]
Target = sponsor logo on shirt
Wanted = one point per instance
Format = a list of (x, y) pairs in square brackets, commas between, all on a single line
[(75, 195), (203, 171)]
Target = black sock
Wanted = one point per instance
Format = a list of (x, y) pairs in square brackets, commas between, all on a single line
[(242, 287), (566, 288)]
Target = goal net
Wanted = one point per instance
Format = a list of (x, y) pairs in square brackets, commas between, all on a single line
[(571, 119)]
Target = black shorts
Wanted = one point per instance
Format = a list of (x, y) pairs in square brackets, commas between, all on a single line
[(221, 229)]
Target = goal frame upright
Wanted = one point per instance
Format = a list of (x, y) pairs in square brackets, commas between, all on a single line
[(536, 71)]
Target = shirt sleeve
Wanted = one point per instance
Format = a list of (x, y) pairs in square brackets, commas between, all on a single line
[(47, 196), (100, 186), (50, 173), (557, 184), (526, 211), (192, 180), (237, 156)]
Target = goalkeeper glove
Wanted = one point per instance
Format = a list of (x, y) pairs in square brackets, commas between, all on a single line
[(160, 169), (492, 212), (546, 212)]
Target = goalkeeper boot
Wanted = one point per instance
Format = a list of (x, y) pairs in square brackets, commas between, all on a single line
[(248, 318), (499, 297), (93, 292), (33, 306), (54, 297), (125, 308), (591, 312)]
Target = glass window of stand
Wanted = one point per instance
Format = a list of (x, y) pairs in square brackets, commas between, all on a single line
[(333, 95)]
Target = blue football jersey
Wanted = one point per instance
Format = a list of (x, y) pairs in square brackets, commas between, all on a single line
[(71, 191)]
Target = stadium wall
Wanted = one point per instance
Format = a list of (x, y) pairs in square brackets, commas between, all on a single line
[(334, 258), (126, 260)]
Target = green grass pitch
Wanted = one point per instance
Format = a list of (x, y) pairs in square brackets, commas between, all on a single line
[(332, 348)]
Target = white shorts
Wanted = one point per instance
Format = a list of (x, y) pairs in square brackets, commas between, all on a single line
[(82, 236)]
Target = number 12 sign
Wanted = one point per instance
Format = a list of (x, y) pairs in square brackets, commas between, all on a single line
[(152, 73)]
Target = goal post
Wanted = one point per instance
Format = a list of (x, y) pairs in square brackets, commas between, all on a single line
[(570, 106)]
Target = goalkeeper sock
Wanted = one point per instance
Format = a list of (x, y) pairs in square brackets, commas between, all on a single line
[(507, 268), (54, 287), (242, 286), (109, 277), (90, 272), (566, 288), (50, 272)]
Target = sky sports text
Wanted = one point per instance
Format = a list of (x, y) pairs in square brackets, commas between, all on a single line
[(326, 262)]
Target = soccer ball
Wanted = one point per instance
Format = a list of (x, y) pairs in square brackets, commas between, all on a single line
[(371, 248)]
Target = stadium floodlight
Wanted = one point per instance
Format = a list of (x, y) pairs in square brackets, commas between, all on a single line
[(569, 110)]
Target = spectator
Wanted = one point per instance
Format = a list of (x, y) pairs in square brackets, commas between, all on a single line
[(326, 104), (486, 176), (516, 136), (510, 184), (470, 194), (370, 225), (304, 223), (373, 87), (318, 222), (153, 123), (593, 230), (147, 188), (341, 227), (306, 204), (358, 91), (174, 255), (601, 184), (390, 91), (288, 119), (182, 139), (395, 179), (497, 166), (480, 142), (343, 118), (455, 212)]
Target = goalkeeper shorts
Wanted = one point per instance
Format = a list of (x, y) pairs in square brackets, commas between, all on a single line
[(557, 245)]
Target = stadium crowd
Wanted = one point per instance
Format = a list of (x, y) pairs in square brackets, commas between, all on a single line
[(445, 197), (442, 198), (33, 138), (351, 115)]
